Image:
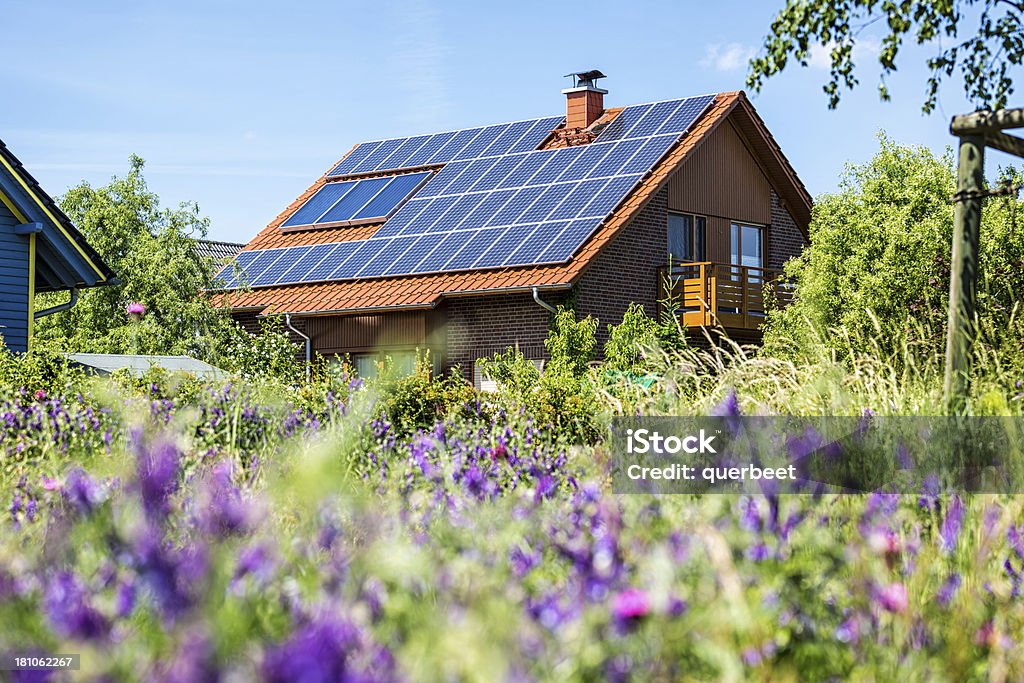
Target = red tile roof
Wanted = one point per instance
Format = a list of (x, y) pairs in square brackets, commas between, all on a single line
[(425, 291)]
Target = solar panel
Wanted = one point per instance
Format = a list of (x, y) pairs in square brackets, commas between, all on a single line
[(316, 205), (274, 271), (304, 264), (500, 202), (477, 243), (643, 120), (441, 148), (388, 253), (568, 241), (356, 200)]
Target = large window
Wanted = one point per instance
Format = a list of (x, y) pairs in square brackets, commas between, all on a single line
[(367, 365), (747, 245), (687, 237)]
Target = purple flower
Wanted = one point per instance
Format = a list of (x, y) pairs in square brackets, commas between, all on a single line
[(929, 492), (158, 475), (546, 487), (630, 604), (759, 552), (50, 484), (1015, 534), (892, 598), (225, 512), (257, 560), (729, 407), (124, 599), (68, 608), (948, 589), (135, 309), (952, 524), (316, 651), (84, 493)]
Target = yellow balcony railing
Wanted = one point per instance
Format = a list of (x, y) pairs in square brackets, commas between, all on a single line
[(718, 294)]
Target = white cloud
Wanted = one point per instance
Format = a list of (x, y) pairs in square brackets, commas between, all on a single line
[(730, 57), (820, 56)]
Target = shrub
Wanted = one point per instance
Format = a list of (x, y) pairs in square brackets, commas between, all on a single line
[(420, 400), (269, 355)]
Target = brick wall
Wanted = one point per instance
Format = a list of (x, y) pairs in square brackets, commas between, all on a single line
[(480, 326), (785, 239), (627, 270)]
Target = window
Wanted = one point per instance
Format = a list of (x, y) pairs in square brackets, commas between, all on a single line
[(356, 200), (687, 236), (747, 245), (369, 365)]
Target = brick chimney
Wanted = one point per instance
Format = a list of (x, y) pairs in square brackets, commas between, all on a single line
[(584, 101)]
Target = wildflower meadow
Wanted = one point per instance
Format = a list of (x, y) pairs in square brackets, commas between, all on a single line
[(166, 528)]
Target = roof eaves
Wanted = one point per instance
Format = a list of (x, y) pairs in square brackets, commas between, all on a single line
[(54, 212)]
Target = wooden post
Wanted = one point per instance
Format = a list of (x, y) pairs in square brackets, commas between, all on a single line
[(963, 279)]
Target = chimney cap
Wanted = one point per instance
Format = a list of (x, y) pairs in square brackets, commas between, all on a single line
[(585, 79)]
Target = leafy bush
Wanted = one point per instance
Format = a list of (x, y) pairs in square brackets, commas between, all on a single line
[(561, 398), (878, 262), (420, 400), (269, 355), (39, 371)]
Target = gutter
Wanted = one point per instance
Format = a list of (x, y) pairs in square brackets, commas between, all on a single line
[(543, 304), (309, 343), (61, 307)]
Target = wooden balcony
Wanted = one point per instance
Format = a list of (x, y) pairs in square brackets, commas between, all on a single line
[(722, 295)]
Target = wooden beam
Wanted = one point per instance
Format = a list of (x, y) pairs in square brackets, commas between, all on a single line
[(986, 121), (1010, 144), (964, 271)]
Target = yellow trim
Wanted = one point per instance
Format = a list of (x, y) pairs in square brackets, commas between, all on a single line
[(10, 205), (31, 285), (53, 218)]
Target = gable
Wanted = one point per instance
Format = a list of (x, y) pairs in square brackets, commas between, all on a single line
[(722, 178), (63, 259)]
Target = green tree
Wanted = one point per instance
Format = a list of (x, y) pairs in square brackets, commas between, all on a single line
[(878, 263), (985, 54), (629, 340), (571, 343), (152, 251)]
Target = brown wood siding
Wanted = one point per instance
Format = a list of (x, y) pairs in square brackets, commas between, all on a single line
[(347, 334), (722, 179)]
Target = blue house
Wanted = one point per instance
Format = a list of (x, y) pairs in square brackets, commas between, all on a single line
[(40, 251)]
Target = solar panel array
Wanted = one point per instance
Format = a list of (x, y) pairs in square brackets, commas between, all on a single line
[(356, 200), (656, 118), (516, 208), (440, 148)]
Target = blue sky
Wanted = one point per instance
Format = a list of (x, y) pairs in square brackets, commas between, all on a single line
[(239, 106)]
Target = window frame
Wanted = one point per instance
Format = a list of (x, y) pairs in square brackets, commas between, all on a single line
[(698, 227), (736, 245)]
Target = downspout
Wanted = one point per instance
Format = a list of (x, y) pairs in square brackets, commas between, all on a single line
[(543, 304), (60, 308), (309, 343)]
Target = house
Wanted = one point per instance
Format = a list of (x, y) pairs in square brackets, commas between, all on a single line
[(462, 242), (40, 251)]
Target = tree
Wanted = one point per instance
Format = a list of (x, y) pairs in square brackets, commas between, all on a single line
[(985, 58), (151, 250), (878, 263)]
